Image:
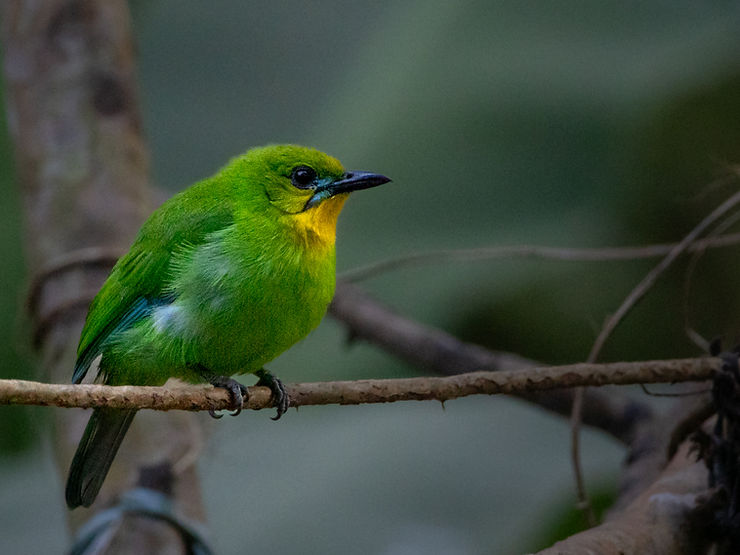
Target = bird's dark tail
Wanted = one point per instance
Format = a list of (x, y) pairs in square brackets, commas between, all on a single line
[(98, 446)]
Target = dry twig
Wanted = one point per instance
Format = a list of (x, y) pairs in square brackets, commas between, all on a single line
[(649, 280), (615, 319), (361, 391), (603, 254)]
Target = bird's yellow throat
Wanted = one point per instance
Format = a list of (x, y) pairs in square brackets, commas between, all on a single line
[(318, 226)]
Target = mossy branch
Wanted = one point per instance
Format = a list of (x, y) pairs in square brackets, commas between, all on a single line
[(197, 397)]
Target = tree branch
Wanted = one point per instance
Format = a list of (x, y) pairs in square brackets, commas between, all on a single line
[(566, 254), (82, 165), (194, 397), (661, 520), (640, 290), (434, 350)]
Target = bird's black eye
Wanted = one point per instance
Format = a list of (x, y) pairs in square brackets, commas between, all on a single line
[(303, 177)]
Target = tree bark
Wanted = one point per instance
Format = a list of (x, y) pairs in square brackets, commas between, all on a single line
[(82, 166), (662, 520)]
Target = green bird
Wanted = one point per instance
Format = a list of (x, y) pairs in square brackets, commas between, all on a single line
[(221, 279)]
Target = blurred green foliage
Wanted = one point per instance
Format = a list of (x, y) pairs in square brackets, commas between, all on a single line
[(561, 520)]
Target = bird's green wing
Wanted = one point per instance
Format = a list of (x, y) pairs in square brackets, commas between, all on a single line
[(137, 283)]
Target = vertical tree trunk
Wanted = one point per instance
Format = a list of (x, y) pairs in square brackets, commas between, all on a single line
[(83, 168)]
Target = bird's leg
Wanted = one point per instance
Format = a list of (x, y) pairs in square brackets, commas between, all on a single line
[(279, 395), (237, 391)]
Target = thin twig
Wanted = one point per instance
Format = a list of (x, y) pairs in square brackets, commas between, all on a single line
[(584, 502), (649, 280), (193, 397), (604, 254), (614, 320), (692, 334)]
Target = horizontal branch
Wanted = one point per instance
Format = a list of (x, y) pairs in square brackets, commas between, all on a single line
[(198, 397), (434, 350), (567, 254)]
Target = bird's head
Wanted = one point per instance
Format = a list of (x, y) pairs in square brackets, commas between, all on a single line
[(305, 187)]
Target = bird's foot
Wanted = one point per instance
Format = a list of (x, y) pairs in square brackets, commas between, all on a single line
[(237, 392), (280, 397)]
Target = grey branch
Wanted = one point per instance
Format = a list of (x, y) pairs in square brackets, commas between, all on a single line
[(193, 397), (434, 350)]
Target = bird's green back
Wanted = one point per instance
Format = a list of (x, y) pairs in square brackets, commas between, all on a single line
[(137, 282)]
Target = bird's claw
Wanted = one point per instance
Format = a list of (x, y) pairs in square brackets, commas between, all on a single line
[(280, 397), (213, 414), (237, 392)]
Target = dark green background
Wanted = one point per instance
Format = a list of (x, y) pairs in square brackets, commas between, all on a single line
[(574, 123)]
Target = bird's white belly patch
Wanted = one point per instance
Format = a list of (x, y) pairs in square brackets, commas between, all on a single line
[(170, 318)]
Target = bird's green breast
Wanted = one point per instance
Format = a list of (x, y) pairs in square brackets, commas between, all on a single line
[(269, 293), (240, 299)]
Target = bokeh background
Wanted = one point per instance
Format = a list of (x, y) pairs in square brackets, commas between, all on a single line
[(574, 123)]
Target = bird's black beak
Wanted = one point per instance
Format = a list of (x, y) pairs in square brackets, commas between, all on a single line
[(350, 181), (355, 181)]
